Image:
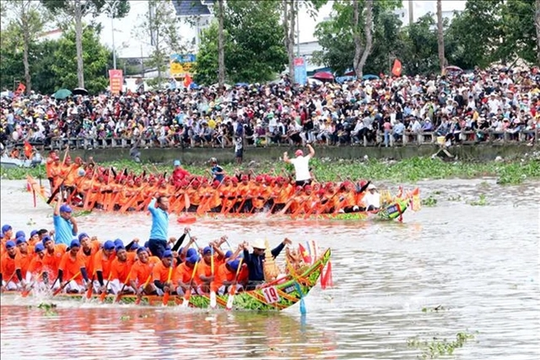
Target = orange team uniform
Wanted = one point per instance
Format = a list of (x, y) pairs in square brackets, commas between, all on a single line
[(36, 267), (205, 269), (51, 261), (183, 274), (140, 271), (103, 264), (25, 260), (120, 270), (222, 274), (71, 175), (71, 266), (89, 257), (283, 194), (161, 273), (9, 266), (262, 195)]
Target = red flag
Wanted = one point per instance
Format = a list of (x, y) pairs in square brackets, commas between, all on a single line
[(187, 80), (20, 88), (304, 253), (28, 149), (326, 279), (396, 69)]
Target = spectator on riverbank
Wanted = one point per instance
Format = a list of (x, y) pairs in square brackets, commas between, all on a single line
[(492, 100)]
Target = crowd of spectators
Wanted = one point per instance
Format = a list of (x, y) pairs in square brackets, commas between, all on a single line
[(375, 112)]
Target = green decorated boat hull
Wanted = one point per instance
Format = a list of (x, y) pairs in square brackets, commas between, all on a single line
[(271, 297)]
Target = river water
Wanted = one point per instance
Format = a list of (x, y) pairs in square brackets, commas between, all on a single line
[(479, 265)]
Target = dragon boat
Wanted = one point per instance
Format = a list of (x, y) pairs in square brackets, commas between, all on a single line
[(277, 295), (122, 199)]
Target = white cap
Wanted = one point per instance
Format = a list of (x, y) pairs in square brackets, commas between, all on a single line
[(258, 244), (371, 187)]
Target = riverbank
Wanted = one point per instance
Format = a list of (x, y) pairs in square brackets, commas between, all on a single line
[(325, 169)]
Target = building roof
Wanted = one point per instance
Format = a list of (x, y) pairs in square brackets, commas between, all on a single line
[(192, 7)]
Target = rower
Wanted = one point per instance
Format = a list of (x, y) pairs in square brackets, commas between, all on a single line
[(255, 260), (10, 269), (141, 272), (183, 275), (160, 273), (72, 268), (120, 268)]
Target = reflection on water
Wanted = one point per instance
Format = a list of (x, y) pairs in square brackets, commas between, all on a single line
[(480, 263)]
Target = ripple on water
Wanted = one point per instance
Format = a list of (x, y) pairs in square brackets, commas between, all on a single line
[(479, 263)]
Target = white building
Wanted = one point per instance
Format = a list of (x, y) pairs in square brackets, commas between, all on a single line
[(194, 16), (417, 9)]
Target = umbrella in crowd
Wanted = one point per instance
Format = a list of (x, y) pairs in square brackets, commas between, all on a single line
[(80, 91), (324, 76), (61, 94), (370, 77)]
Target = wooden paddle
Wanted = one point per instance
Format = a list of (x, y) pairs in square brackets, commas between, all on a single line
[(90, 288), (213, 300), (104, 293), (27, 291), (57, 291), (139, 297), (230, 299), (167, 294), (187, 295), (120, 293)]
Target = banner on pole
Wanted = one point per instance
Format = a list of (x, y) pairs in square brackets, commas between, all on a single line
[(116, 80), (300, 71)]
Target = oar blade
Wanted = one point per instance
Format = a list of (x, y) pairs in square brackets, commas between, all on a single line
[(213, 299)]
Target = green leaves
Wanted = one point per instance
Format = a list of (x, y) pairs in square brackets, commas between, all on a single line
[(254, 51)]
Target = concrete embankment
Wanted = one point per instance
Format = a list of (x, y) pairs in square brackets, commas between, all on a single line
[(274, 153)]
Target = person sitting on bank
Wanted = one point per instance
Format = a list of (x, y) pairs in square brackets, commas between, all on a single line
[(255, 261), (301, 165), (372, 199)]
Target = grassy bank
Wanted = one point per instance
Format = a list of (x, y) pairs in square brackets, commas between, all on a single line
[(408, 170)]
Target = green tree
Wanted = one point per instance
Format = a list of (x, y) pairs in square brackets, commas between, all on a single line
[(96, 59), (253, 46), (420, 52), (77, 10), (158, 28), (28, 20), (11, 58)]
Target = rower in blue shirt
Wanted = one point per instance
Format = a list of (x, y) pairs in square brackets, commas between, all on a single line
[(157, 243), (255, 261)]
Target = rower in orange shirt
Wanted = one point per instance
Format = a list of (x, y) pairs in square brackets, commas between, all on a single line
[(183, 275), (162, 274), (10, 269), (72, 269), (102, 267), (36, 270), (141, 272), (225, 276), (88, 250), (24, 255), (205, 275), (33, 240), (120, 271), (53, 255)]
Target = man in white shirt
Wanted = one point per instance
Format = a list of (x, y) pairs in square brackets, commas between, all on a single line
[(301, 165), (372, 199)]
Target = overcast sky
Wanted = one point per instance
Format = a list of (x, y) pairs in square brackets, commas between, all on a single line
[(129, 46)]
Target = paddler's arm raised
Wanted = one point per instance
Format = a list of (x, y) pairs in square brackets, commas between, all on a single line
[(311, 151), (286, 157), (277, 250)]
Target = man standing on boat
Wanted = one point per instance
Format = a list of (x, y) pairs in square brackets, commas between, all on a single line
[(65, 226), (157, 243), (255, 261), (301, 165)]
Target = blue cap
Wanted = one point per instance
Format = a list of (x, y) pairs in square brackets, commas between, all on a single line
[(34, 232), (108, 245), (75, 243), (176, 163), (234, 264), (39, 247), (228, 254), (191, 252), (20, 240), (193, 259), (118, 248), (134, 246), (10, 244), (82, 236), (118, 242), (45, 239), (19, 234), (141, 249), (65, 208), (167, 254), (6, 228), (207, 250), (147, 244)]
